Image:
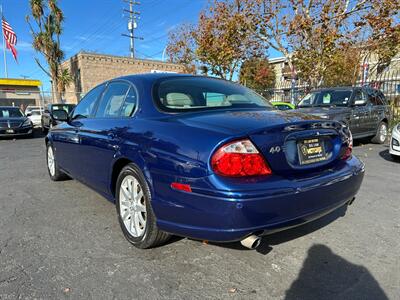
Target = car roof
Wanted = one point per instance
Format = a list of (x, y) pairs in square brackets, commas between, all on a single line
[(155, 76), (280, 103), (62, 104), (336, 88)]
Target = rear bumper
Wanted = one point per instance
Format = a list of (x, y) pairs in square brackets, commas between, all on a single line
[(283, 203)]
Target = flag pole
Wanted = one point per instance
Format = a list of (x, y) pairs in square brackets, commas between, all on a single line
[(4, 43)]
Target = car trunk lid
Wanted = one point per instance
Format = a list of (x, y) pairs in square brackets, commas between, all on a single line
[(297, 147)]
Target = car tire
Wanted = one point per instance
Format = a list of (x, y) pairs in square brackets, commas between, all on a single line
[(52, 166), (381, 133), (135, 214), (44, 129)]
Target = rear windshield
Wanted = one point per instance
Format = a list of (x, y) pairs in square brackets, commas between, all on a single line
[(35, 113), (326, 98), (10, 112), (197, 93)]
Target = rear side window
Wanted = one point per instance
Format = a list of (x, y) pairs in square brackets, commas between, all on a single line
[(130, 103), (85, 108), (374, 97), (359, 98), (113, 100)]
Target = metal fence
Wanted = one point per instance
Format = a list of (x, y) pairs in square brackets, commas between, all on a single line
[(388, 83)]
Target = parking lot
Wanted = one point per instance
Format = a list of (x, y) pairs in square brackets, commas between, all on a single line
[(63, 240)]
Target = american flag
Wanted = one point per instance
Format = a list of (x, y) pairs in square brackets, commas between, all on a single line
[(10, 37)]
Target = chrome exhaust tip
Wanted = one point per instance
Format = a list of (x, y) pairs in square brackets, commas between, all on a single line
[(251, 242)]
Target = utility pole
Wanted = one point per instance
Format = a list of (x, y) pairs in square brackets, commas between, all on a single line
[(132, 25), (4, 44)]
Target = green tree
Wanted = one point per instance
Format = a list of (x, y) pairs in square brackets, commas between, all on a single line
[(46, 31), (224, 40), (257, 73), (181, 47), (218, 44), (315, 34)]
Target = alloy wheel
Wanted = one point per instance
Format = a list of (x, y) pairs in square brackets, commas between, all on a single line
[(51, 161), (383, 132), (132, 206)]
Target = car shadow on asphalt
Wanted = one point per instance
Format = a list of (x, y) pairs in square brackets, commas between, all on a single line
[(268, 241), (361, 142), (326, 275), (386, 156)]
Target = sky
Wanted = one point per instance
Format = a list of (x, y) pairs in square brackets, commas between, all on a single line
[(96, 26)]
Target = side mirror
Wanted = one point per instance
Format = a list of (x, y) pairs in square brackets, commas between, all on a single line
[(28, 114), (60, 115)]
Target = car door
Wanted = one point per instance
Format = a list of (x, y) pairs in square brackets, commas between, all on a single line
[(377, 109), (66, 137), (359, 113), (102, 135), (46, 116)]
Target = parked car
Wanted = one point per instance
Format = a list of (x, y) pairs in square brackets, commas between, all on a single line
[(202, 158), (283, 105), (364, 109), (14, 123), (29, 108), (35, 116), (51, 114), (394, 148)]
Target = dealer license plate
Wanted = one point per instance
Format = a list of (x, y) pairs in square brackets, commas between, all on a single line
[(311, 151)]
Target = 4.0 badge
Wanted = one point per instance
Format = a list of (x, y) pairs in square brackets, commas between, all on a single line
[(275, 149)]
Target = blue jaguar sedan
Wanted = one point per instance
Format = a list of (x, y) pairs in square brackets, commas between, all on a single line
[(202, 158)]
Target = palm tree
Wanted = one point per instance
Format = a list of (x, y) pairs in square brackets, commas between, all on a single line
[(46, 40), (64, 79)]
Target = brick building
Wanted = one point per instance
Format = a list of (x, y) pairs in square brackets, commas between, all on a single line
[(91, 69)]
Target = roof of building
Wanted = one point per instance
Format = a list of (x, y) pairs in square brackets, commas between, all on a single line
[(83, 53), (20, 82)]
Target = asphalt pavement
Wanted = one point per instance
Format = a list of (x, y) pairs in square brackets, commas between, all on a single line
[(62, 240)]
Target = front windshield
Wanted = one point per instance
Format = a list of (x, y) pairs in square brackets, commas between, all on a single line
[(10, 112), (326, 98), (202, 93)]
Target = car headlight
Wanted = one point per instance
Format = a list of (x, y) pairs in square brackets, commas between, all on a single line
[(26, 123)]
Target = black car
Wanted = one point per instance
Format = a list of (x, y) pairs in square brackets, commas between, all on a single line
[(51, 114), (14, 123), (364, 109)]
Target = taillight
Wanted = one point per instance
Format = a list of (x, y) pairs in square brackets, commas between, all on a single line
[(349, 150), (239, 158)]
